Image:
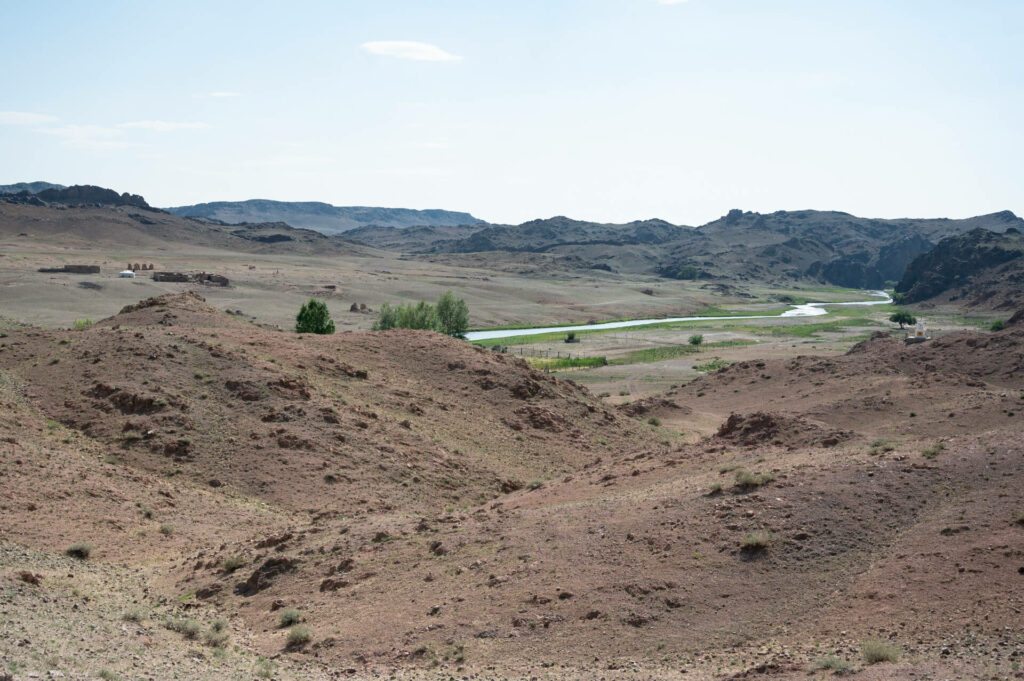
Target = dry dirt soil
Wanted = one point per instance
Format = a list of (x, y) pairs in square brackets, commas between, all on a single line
[(429, 509)]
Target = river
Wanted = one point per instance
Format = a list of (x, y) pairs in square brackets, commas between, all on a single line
[(806, 310)]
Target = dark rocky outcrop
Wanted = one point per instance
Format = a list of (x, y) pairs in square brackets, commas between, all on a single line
[(84, 194), (976, 266)]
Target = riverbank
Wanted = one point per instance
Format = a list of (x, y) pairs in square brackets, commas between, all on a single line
[(804, 310)]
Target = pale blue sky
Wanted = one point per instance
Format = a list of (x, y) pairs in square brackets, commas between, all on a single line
[(608, 110)]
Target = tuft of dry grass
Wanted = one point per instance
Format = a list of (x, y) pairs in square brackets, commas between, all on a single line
[(747, 480), (756, 541), (80, 550), (299, 635), (879, 650), (289, 617)]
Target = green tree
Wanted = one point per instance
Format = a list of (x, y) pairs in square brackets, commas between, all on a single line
[(314, 317), (418, 316), (902, 317), (387, 318), (696, 340), (452, 315), (687, 272)]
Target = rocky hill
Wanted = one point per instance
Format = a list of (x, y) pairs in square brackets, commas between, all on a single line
[(981, 269), (322, 217), (430, 509), (30, 187), (831, 247), (105, 217), (77, 195)]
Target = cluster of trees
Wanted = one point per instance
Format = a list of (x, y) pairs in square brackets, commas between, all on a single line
[(450, 316)]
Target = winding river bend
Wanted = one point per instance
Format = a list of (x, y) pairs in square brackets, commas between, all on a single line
[(806, 310)]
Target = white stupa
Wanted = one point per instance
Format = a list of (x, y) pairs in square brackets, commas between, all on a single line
[(918, 335)]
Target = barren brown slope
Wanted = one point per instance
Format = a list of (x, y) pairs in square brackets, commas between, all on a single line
[(342, 423), (642, 561), (128, 227), (621, 556)]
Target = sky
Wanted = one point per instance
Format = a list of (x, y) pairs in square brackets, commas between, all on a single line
[(606, 110)]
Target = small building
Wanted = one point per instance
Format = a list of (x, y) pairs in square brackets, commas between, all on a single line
[(918, 335), (126, 274)]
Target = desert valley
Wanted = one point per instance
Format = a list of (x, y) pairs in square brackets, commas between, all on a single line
[(572, 340), (192, 490)]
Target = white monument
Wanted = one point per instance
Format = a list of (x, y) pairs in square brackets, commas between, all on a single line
[(918, 335)]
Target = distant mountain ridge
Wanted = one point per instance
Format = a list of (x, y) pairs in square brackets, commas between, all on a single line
[(320, 216), (828, 246), (30, 187)]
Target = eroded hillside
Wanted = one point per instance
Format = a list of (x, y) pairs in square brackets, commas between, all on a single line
[(422, 503)]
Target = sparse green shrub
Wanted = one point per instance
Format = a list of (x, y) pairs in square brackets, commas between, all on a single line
[(1019, 518), (190, 629), (997, 325), (314, 317), (166, 529), (232, 563), (130, 436), (879, 650), (289, 617), (747, 480), (134, 615), (80, 550), (216, 639), (716, 488), (933, 451), (604, 394), (219, 624), (654, 421), (880, 447), (696, 340), (836, 664), (108, 675), (715, 364), (299, 635), (83, 323), (265, 668), (756, 541)]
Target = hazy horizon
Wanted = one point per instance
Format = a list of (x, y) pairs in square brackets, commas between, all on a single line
[(604, 110)]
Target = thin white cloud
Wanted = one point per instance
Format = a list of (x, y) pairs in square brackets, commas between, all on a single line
[(25, 118), (224, 93), (407, 49), (88, 136), (163, 126)]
